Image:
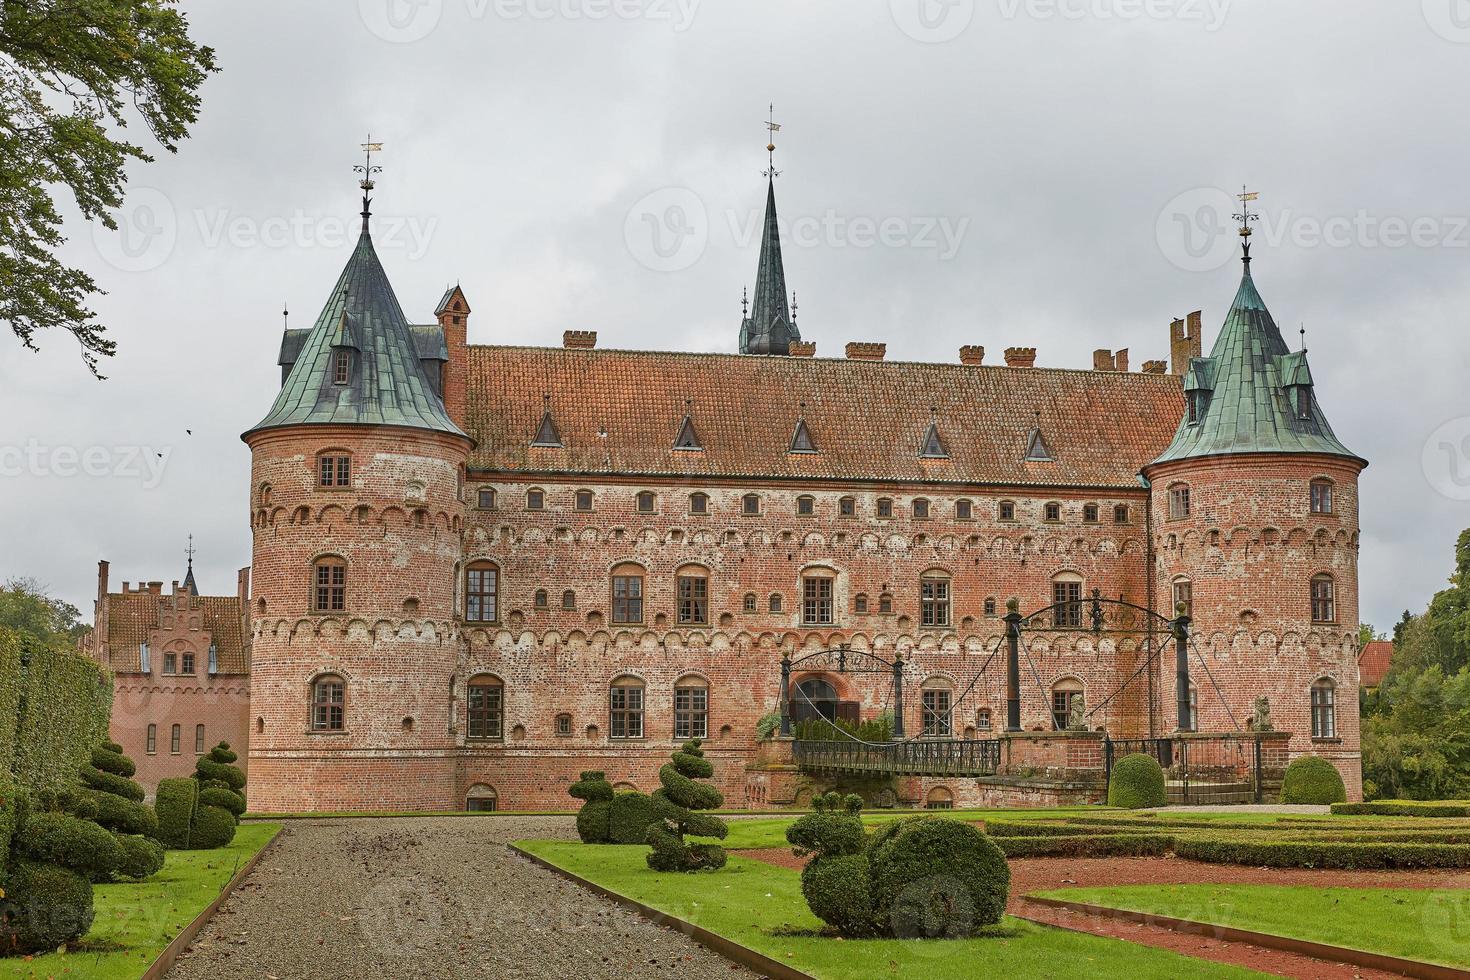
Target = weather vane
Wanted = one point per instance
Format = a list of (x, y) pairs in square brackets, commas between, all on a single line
[(1245, 217), (772, 128), (190, 551), (367, 168)]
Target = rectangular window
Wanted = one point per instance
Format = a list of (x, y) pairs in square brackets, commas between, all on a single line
[(1120, 514), (805, 506), (144, 661), (564, 724), (174, 738), (750, 504), (535, 500), (1324, 602), (1007, 510), (698, 504), (481, 586), (963, 510), (584, 499), (1184, 593), (344, 363), (982, 719), (1324, 711), (334, 471), (626, 703), (331, 587), (1052, 513), (186, 665), (485, 499), (816, 601), (481, 804), (627, 599), (213, 659), (1178, 503), (485, 711), (691, 712), (934, 601), (170, 663), (847, 507), (1061, 708), (693, 600), (921, 509), (1089, 514), (1321, 498), (152, 739), (937, 718), (885, 507), (1067, 597), (328, 701), (198, 739)]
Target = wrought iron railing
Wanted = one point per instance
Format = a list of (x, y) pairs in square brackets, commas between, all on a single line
[(921, 757), (1218, 769)]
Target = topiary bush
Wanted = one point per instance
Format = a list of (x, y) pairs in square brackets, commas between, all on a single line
[(1137, 781), (175, 801), (142, 857), (631, 816), (835, 882), (594, 818), (201, 813), (1312, 779), (71, 842), (213, 827), (937, 878), (115, 802), (674, 806), (44, 907)]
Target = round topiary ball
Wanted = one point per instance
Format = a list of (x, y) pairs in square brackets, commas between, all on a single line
[(213, 827), (142, 856), (1312, 779), (592, 821), (937, 878), (1137, 781), (839, 892), (44, 906)]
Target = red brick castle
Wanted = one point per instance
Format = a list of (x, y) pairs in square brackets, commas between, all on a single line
[(480, 569)]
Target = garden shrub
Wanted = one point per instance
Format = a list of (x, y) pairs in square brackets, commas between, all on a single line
[(1312, 779), (630, 817), (1322, 853), (594, 819), (213, 827), (1137, 781), (674, 806), (1403, 808), (109, 758), (142, 857), (108, 782), (44, 907), (71, 842), (934, 877), (1092, 845), (225, 799), (836, 882), (115, 802), (175, 801)]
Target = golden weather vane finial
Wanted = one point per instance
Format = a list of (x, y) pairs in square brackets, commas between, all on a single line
[(367, 168), (1245, 217), (772, 128)]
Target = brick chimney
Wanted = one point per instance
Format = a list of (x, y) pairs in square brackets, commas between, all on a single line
[(860, 351), (453, 315), (1105, 360), (802, 348), (579, 339), (972, 354), (1020, 357), (1185, 341), (1155, 367)]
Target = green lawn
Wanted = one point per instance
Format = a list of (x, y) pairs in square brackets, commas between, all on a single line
[(1430, 925), (136, 920), (760, 906)]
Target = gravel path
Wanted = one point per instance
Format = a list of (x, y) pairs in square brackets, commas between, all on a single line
[(428, 897)]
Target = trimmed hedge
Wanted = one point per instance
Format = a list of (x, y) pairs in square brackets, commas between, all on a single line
[(1322, 854), (593, 820), (1137, 781), (676, 806), (107, 782), (110, 759), (1403, 808), (1312, 779), (124, 816), (175, 801), (65, 703), (225, 799), (1104, 845), (44, 907)]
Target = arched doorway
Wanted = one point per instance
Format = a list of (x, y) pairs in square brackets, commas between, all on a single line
[(814, 698), (481, 799)]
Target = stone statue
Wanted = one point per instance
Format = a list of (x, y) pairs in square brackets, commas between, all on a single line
[(1261, 717), (1077, 713)]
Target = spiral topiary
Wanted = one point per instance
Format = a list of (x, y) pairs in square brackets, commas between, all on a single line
[(1137, 781), (593, 819), (1312, 779), (116, 799), (674, 806), (835, 883)]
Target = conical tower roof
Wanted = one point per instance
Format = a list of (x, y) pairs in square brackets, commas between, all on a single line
[(768, 328), (386, 384), (1252, 394)]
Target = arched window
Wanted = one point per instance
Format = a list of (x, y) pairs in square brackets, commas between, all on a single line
[(564, 725), (806, 505), (1184, 593), (818, 586), (885, 602), (535, 499), (750, 602), (860, 603), (481, 799), (341, 367), (627, 593), (964, 510), (1051, 512), (486, 705), (198, 739), (699, 503), (750, 504), (265, 495), (934, 599), (813, 698), (583, 500), (1066, 597), (328, 703), (152, 739), (1324, 708), (847, 507), (481, 592), (921, 508), (691, 708), (1321, 496), (329, 585), (334, 469), (625, 703), (885, 507), (1178, 501), (173, 739), (691, 583), (939, 799), (1064, 693), (774, 603), (1324, 599), (936, 697), (645, 501)]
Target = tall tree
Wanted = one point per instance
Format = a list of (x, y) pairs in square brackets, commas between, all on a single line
[(26, 608), (72, 74)]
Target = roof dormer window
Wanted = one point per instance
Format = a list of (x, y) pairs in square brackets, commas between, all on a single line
[(1196, 402), (341, 367)]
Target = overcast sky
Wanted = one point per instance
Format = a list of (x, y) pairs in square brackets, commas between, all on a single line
[(1048, 173)]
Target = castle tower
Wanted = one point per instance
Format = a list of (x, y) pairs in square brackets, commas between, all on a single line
[(1255, 524), (767, 325), (356, 516)]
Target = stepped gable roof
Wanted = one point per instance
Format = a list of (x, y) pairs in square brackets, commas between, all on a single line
[(1101, 426), (130, 616)]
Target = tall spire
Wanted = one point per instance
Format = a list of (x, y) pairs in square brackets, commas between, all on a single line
[(768, 328), (189, 582)]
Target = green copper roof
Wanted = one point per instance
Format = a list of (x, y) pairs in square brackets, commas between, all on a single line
[(1251, 394), (768, 328), (387, 383)]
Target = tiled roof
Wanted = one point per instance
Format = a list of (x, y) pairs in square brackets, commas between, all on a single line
[(1373, 661), (1248, 408), (387, 385), (130, 615), (620, 412)]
